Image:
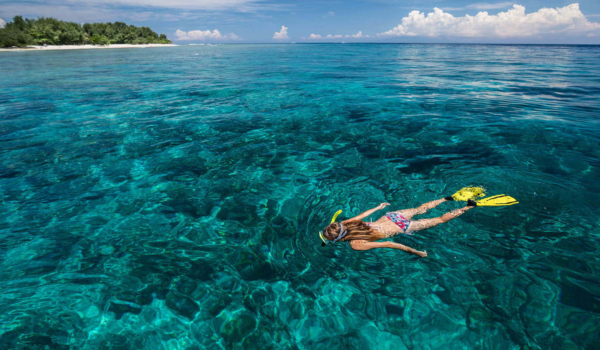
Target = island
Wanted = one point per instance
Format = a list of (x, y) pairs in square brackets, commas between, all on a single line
[(52, 33)]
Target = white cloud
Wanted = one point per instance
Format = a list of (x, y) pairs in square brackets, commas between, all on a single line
[(2, 23), (282, 34), (358, 35), (484, 6), (329, 14), (513, 23), (206, 35), (481, 6)]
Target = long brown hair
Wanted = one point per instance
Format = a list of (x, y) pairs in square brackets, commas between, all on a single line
[(356, 230)]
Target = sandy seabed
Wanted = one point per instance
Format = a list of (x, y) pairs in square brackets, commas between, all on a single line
[(84, 47)]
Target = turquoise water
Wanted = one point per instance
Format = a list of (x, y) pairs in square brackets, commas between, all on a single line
[(170, 198)]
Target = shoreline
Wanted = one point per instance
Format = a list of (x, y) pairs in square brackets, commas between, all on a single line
[(37, 48)]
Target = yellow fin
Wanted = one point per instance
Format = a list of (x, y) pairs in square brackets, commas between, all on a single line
[(466, 193), (497, 201)]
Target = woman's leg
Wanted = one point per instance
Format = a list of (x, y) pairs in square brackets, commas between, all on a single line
[(409, 213), (423, 224)]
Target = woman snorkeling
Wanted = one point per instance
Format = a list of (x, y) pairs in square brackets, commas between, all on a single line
[(362, 235)]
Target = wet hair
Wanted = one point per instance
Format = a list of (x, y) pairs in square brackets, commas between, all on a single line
[(356, 230)]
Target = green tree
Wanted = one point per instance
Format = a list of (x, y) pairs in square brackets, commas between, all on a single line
[(19, 23), (103, 40), (13, 34)]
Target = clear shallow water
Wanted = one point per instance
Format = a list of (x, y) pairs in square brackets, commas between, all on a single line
[(170, 198)]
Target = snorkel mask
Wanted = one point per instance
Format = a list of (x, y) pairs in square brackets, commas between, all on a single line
[(343, 231)]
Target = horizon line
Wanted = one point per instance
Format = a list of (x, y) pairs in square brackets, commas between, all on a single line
[(378, 43)]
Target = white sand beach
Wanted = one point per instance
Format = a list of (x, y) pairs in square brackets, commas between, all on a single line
[(84, 47)]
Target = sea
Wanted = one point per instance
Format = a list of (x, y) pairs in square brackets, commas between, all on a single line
[(172, 198)]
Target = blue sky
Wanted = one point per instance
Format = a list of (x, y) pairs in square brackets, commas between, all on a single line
[(267, 21)]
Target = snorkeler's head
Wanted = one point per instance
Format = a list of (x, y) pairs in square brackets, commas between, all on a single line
[(333, 231), (349, 230)]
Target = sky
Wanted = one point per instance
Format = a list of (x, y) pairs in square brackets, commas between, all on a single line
[(318, 21)]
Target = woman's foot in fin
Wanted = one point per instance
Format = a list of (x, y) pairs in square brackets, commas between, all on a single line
[(449, 198), (471, 203)]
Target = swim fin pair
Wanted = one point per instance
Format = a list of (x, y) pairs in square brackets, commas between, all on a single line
[(470, 193)]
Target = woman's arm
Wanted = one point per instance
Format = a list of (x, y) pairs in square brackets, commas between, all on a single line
[(366, 245), (368, 212)]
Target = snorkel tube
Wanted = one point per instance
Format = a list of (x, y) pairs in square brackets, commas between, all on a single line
[(343, 232)]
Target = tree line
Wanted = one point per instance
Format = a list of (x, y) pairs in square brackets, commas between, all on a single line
[(22, 32)]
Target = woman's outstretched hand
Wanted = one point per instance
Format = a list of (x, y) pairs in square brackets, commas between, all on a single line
[(382, 205), (422, 254)]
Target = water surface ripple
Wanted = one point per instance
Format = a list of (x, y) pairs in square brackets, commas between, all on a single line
[(170, 198)]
